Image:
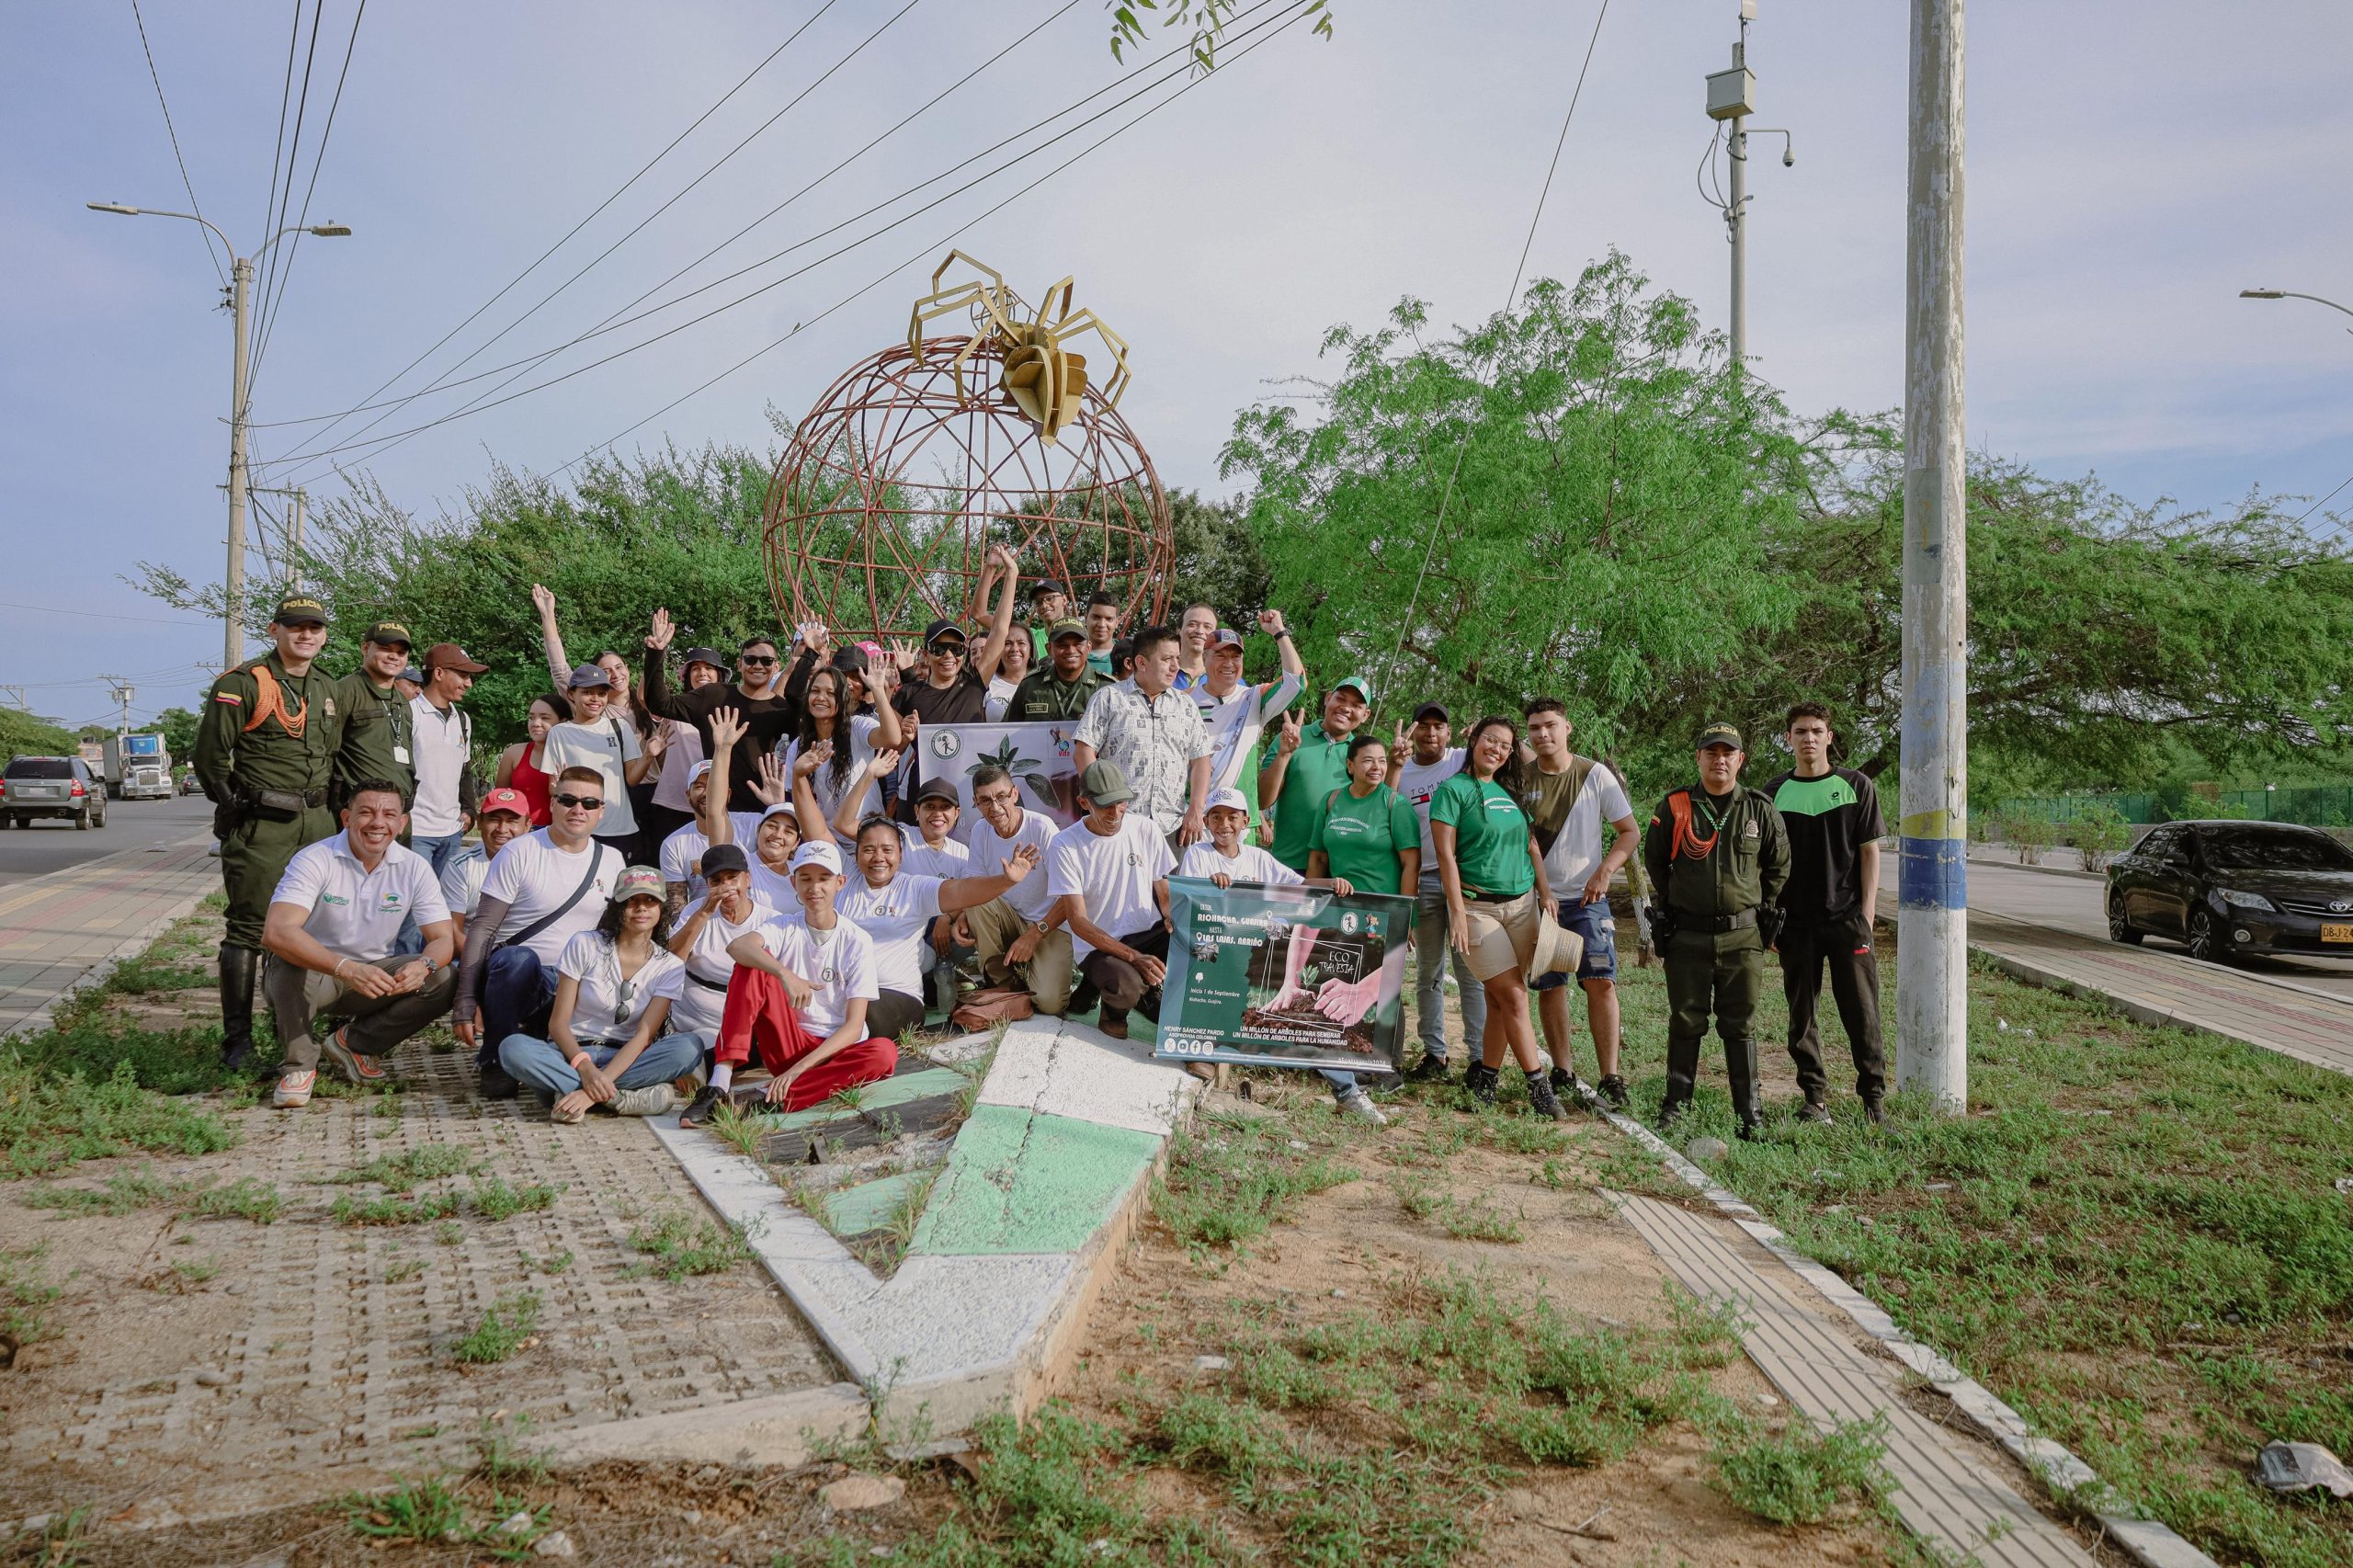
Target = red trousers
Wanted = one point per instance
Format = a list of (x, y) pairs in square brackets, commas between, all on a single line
[(760, 1018)]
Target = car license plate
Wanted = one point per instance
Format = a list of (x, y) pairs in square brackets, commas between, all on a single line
[(2336, 930)]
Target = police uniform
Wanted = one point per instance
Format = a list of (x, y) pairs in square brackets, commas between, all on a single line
[(265, 752), (1717, 865), (379, 739)]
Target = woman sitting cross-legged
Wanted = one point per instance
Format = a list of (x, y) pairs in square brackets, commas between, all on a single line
[(799, 997), (605, 1045)]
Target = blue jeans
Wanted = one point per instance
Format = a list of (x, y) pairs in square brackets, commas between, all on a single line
[(540, 1064), (437, 853), (1431, 952), (517, 993)]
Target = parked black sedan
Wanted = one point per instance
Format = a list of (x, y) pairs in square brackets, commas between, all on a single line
[(2235, 887)]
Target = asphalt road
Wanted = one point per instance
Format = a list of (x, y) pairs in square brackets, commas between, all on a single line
[(2074, 903), (44, 846)]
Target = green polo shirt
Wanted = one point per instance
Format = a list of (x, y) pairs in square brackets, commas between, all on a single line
[(1319, 766), (1490, 835), (1363, 837)]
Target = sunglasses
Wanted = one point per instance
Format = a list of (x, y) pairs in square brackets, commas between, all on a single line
[(950, 650), (755, 658), (584, 803)]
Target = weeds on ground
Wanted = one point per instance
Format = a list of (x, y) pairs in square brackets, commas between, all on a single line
[(392, 1209), (500, 1452), (680, 1246), (60, 1541), (882, 1249), (244, 1198), (505, 1328), (1472, 1219), (401, 1270), (404, 1171), (1800, 1476), (1228, 1181), (495, 1200), (25, 1297), (431, 1512), (48, 1122), (739, 1132), (179, 1278), (555, 1265)]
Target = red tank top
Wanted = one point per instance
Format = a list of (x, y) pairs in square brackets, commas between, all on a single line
[(534, 785)]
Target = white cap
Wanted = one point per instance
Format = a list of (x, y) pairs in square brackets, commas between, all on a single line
[(781, 809), (699, 769), (819, 853), (1227, 799)]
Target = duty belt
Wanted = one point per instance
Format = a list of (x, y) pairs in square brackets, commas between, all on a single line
[(1715, 924), (249, 795)]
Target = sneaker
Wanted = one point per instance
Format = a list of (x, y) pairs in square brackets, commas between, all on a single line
[(1875, 1111), (1543, 1101), (1480, 1080), (1672, 1113), (1815, 1113), (1564, 1083), (293, 1091), (358, 1068), (1428, 1070), (498, 1084), (654, 1099), (1613, 1089), (707, 1100), (1357, 1105), (562, 1118)]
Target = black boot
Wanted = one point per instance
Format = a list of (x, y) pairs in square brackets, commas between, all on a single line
[(1480, 1080), (1740, 1068), (1429, 1070), (239, 966), (1542, 1101)]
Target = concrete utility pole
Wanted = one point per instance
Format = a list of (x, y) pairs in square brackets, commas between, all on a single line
[(232, 629), (300, 496), (122, 694), (1731, 95), (1932, 914)]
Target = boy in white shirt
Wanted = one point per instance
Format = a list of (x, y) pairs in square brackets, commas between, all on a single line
[(1017, 936), (799, 997), (1109, 874), (729, 909), (593, 738)]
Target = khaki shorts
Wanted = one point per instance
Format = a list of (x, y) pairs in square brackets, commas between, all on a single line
[(1503, 935)]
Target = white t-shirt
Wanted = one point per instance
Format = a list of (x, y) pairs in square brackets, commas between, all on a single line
[(461, 880), (1000, 693), (606, 745), (532, 876), (1252, 864), (1235, 724), (355, 913), (1418, 781), (838, 964), (678, 759), (1576, 848), (896, 915), (1114, 874), (951, 860), (1029, 898), (608, 1006), (682, 851), (820, 783), (696, 1008), (442, 742)]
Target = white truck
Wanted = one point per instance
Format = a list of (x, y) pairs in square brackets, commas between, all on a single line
[(136, 767)]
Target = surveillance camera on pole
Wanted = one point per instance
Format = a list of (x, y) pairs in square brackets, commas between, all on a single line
[(1731, 97)]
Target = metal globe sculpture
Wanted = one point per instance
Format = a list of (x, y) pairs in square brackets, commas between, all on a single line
[(920, 459)]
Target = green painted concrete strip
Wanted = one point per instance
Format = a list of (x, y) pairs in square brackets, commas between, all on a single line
[(869, 1205), (1018, 1182), (879, 1095)]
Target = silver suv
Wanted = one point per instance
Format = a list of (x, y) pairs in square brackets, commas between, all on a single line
[(34, 787)]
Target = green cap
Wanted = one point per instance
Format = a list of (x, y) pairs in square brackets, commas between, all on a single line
[(1719, 735), (1362, 686), (1065, 627), (1104, 784), (298, 610), (389, 634)]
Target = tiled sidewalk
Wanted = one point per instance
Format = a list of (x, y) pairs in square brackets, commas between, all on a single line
[(56, 930)]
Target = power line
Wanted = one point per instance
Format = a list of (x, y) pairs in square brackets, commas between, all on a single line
[(269, 319), (623, 190), (285, 98), (186, 184), (94, 615), (279, 191), (485, 403), (280, 262)]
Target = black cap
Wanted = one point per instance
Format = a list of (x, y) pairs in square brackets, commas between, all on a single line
[(938, 790), (1045, 586), (1432, 711), (299, 610), (723, 858), (711, 657), (939, 629), (389, 634)]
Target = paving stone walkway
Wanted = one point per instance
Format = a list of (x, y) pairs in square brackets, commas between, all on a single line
[(55, 929)]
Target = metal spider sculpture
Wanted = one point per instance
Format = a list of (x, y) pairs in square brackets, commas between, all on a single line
[(1042, 379)]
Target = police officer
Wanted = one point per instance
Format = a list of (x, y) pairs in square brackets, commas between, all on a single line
[(378, 730), (1717, 856), (265, 752)]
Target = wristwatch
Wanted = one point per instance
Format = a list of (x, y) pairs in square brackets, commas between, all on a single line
[(1038, 925), (429, 965)]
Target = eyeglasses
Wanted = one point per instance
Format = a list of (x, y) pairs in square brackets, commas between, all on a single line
[(755, 658), (586, 802)]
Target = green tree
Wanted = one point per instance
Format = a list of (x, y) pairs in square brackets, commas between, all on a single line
[(30, 734), (177, 726)]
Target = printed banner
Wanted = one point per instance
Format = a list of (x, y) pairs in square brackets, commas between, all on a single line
[(1037, 755), (1285, 977)]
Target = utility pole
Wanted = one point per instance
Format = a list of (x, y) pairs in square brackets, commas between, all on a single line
[(1731, 95), (233, 604), (1932, 912), (300, 496), (16, 696), (122, 694)]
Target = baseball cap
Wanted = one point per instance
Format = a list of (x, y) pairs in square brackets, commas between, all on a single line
[(1044, 586), (938, 790), (1719, 735), (1432, 711), (389, 634), (1104, 784), (711, 657), (589, 677), (723, 858), (698, 769), (819, 853), (1066, 628), (1226, 637), (450, 656), (506, 801), (939, 630), (1227, 800), (299, 610), (414, 675), (637, 881), (782, 809), (1357, 684)]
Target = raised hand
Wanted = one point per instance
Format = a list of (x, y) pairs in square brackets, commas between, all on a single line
[(658, 741), (1002, 555), (883, 764), (1270, 621), (1020, 863), (902, 654), (1404, 741), (811, 758), (815, 637), (1286, 737), (543, 600), (659, 637), (727, 727)]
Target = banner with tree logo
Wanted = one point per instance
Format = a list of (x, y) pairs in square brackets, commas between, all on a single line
[(1037, 755), (1285, 977)]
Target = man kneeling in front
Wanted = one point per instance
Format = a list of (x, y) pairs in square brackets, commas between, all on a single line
[(332, 922), (799, 996)]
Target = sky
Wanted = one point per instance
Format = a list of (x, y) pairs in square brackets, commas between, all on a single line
[(2130, 167)]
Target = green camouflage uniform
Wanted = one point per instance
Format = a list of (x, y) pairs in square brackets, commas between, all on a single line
[(235, 765)]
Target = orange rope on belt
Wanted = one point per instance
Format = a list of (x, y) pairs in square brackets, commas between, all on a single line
[(269, 697), (1686, 842)]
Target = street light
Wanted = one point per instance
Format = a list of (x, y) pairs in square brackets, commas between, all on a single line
[(233, 634), (2292, 294)]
